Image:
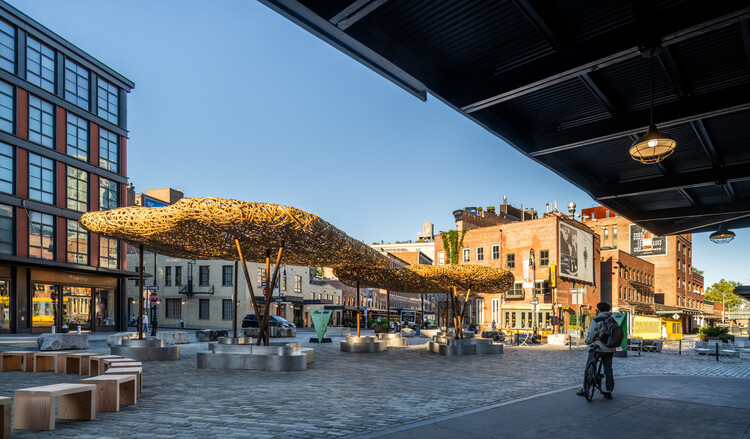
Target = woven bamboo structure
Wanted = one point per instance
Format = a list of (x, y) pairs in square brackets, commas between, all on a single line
[(206, 228)]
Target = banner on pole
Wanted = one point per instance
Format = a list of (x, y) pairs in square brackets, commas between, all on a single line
[(320, 318)]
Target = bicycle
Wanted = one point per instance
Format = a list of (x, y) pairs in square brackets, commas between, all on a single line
[(593, 375)]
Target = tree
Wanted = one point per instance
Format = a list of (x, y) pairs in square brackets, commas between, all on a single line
[(723, 292)]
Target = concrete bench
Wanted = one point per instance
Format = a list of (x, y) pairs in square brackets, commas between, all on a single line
[(112, 391), (4, 417), (137, 371), (34, 408), (105, 363), (61, 342), (78, 363), (96, 363)]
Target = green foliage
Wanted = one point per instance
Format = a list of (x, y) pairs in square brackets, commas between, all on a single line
[(714, 331), (723, 291), (452, 245), (319, 272), (697, 271)]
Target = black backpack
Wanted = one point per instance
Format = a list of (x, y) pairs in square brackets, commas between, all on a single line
[(611, 333)]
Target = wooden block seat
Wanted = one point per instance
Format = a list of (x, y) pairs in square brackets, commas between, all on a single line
[(121, 364), (4, 417), (34, 408), (17, 360), (112, 391), (47, 361), (96, 363), (107, 362), (78, 363), (137, 371)]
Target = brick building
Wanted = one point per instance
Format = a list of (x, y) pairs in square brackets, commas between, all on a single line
[(627, 282), (63, 129), (533, 247), (676, 285)]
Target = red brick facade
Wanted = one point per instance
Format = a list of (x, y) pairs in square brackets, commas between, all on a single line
[(627, 282)]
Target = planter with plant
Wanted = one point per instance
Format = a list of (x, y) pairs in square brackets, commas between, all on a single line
[(715, 333)]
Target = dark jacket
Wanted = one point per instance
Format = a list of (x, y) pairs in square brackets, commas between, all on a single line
[(595, 332)]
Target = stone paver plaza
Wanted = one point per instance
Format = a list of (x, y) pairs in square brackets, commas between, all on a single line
[(342, 394)]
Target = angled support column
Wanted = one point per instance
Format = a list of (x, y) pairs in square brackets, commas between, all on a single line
[(247, 276), (140, 292)]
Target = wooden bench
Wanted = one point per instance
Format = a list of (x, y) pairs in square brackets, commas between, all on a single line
[(4, 417), (113, 391), (121, 364), (46, 361), (78, 363), (96, 364), (34, 408), (27, 359), (107, 361), (137, 371)]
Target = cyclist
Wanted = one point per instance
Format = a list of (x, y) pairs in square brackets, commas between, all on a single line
[(593, 338)]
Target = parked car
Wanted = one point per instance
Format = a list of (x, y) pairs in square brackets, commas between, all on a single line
[(251, 321)]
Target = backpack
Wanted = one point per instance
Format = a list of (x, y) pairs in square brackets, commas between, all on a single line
[(611, 333)]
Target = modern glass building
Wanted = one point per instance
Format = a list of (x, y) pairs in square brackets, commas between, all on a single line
[(63, 129)]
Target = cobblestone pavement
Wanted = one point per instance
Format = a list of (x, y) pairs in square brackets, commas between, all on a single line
[(341, 394)]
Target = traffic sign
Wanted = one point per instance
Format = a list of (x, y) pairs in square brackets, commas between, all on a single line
[(152, 288), (534, 302), (577, 290), (153, 297)]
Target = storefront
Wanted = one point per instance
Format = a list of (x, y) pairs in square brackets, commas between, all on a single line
[(38, 299)]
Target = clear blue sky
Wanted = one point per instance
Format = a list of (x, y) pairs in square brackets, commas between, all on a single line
[(233, 100)]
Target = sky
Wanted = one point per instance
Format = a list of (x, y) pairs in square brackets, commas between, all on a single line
[(232, 100)]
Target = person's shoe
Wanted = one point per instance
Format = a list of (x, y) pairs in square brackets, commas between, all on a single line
[(583, 393), (607, 395)]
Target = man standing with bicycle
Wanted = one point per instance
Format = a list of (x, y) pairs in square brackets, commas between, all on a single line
[(594, 339)]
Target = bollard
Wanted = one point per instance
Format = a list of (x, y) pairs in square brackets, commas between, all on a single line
[(679, 350), (79, 329), (717, 351), (53, 329)]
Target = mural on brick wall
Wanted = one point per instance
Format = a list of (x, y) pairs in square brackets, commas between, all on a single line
[(576, 253)]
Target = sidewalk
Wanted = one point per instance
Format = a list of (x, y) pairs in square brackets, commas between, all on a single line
[(646, 406)]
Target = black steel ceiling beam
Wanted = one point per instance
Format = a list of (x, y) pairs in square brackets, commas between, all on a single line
[(697, 225), (706, 143), (666, 60), (745, 26), (597, 91), (538, 22), (669, 182), (725, 101), (355, 12), (607, 49), (323, 29)]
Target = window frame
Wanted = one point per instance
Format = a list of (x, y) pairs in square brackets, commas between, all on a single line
[(8, 216), (75, 203), (74, 126), (104, 94), (7, 103), (510, 261), (45, 221), (106, 260), (480, 253), (108, 187), (73, 89), (543, 256), (204, 305), (227, 312), (41, 122), (37, 76), (7, 164), (227, 278), (466, 254), (175, 305), (495, 250), (42, 164), (73, 251), (109, 145), (297, 283), (204, 275), (8, 36)]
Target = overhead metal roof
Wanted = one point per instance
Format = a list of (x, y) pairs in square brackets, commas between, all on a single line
[(566, 84)]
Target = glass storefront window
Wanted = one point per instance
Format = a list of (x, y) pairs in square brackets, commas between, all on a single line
[(76, 307), (104, 312), (43, 305), (4, 305)]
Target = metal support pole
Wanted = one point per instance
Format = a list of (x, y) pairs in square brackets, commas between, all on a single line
[(717, 351), (357, 308), (155, 307), (140, 292), (236, 298), (388, 306)]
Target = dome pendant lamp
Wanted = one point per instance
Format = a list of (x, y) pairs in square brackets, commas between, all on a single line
[(654, 146), (722, 235)]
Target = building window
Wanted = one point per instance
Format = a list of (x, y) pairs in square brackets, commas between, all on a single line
[(109, 196), (480, 253), (297, 284), (174, 308), (7, 109), (204, 272), (78, 243), (108, 150), (40, 65), (543, 258), (76, 84), (283, 281), (614, 232), (467, 254), (41, 122), (539, 288), (606, 233), (107, 101), (480, 311), (167, 276), (495, 304), (108, 250), (516, 292), (77, 137), (7, 236), (7, 47), (78, 189), (203, 309), (495, 252), (510, 261), (227, 310), (261, 276), (41, 236), (227, 271), (441, 258), (41, 179), (178, 276), (6, 168)]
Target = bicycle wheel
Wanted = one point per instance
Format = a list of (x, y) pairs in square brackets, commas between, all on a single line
[(589, 386)]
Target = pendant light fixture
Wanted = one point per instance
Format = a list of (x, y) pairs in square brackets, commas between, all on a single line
[(654, 146), (722, 235)]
